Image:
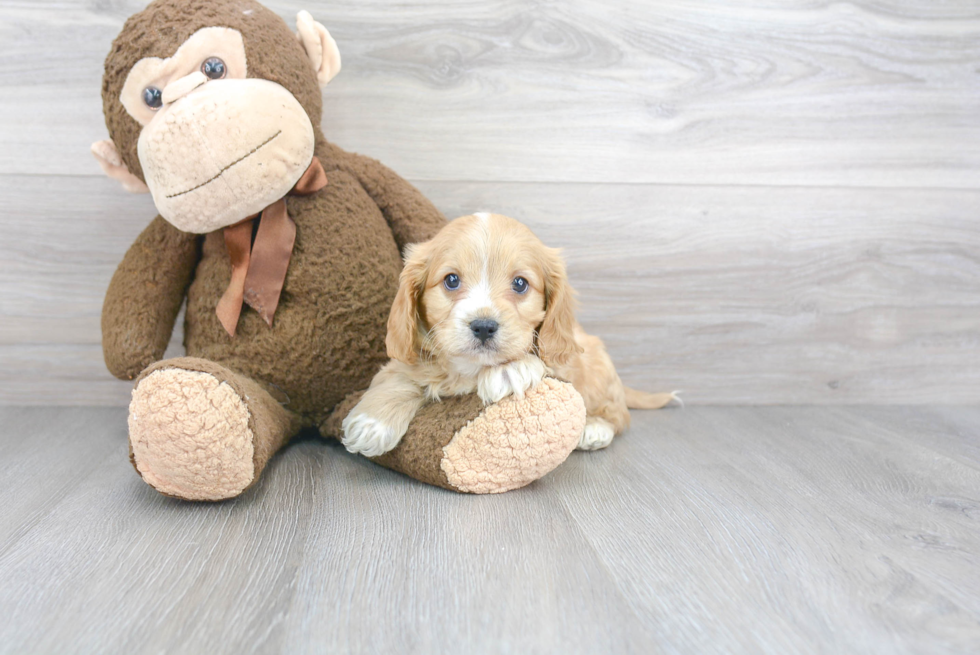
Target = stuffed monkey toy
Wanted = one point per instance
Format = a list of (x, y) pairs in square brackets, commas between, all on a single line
[(287, 251)]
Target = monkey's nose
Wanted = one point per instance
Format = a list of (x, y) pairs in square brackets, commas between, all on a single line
[(484, 329), (181, 87)]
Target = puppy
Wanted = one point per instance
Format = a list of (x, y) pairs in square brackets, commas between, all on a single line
[(486, 307)]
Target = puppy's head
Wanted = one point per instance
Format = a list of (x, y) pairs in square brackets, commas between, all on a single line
[(484, 291)]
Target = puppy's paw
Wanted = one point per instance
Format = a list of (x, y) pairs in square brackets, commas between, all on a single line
[(369, 436), (498, 382), (598, 434)]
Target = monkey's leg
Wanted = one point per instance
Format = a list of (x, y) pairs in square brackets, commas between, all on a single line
[(460, 444), (199, 431)]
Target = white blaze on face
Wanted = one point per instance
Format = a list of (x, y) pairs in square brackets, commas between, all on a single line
[(478, 303)]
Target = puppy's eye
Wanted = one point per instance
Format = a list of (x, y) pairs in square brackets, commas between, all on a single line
[(153, 97), (451, 282), (519, 285), (213, 68)]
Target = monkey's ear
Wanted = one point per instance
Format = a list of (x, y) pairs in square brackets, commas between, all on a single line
[(112, 165), (320, 47)]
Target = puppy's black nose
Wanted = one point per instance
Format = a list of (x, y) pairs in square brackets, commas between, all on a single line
[(484, 329)]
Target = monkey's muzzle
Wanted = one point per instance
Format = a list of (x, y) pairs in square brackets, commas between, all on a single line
[(224, 152)]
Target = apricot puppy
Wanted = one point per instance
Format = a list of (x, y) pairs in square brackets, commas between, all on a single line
[(486, 307)]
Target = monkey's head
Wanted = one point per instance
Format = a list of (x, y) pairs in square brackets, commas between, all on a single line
[(213, 106)]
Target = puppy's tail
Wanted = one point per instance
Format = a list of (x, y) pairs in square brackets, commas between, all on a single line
[(643, 400)]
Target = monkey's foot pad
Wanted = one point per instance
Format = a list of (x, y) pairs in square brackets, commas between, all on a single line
[(516, 441), (189, 435)]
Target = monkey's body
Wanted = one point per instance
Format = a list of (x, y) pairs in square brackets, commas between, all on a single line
[(202, 427), (325, 341)]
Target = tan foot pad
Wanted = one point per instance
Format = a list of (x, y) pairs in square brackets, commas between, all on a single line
[(515, 442), (190, 436)]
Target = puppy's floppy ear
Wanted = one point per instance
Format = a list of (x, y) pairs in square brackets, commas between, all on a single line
[(403, 321), (556, 336)]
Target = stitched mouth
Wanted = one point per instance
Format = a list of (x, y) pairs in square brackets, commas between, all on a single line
[(222, 171)]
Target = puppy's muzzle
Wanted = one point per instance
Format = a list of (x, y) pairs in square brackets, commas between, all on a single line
[(484, 329)]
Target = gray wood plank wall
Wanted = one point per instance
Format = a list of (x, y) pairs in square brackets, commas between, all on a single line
[(766, 202)]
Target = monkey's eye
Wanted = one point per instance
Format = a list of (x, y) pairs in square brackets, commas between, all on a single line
[(213, 68), (519, 285), (152, 97), (451, 282)]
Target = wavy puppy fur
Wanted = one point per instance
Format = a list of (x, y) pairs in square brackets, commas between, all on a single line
[(486, 307)]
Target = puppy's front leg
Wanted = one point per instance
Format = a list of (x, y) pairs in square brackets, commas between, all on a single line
[(379, 421), (516, 377)]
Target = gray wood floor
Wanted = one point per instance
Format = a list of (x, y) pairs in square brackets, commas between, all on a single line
[(705, 530)]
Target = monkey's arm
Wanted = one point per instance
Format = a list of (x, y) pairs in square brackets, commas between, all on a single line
[(411, 216), (144, 297)]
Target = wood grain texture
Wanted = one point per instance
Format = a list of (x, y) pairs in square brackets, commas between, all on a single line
[(864, 93), (769, 202), (734, 294), (767, 295), (706, 530)]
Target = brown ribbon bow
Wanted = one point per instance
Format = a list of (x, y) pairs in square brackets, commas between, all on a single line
[(258, 270)]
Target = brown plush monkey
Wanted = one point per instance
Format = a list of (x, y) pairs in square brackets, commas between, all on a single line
[(287, 251)]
